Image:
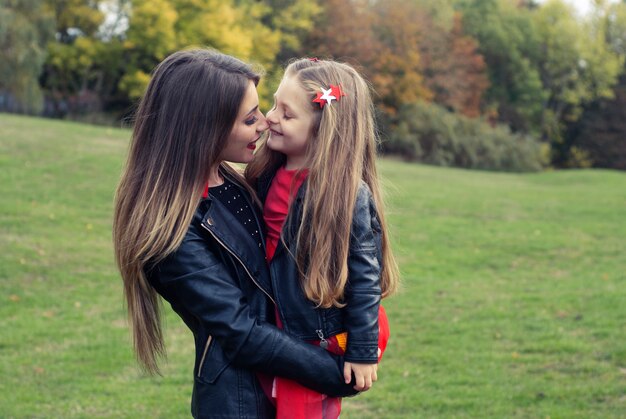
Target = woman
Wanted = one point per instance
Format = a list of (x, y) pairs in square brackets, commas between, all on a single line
[(186, 227)]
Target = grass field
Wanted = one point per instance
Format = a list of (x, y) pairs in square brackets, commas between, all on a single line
[(512, 304)]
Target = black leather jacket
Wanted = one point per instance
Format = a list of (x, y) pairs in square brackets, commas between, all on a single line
[(359, 318), (219, 284)]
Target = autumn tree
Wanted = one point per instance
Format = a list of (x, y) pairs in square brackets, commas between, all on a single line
[(398, 66), (378, 38), (508, 41), (409, 49), (453, 69), (344, 30)]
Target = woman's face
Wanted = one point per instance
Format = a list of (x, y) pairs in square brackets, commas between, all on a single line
[(249, 125)]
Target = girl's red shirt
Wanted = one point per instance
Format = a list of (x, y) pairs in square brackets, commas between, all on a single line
[(283, 189)]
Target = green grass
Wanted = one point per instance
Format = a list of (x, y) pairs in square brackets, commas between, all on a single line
[(512, 303)]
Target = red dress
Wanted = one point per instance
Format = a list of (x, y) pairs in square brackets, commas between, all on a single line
[(292, 400)]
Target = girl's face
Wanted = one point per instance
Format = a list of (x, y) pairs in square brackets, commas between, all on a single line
[(290, 122), (249, 125)]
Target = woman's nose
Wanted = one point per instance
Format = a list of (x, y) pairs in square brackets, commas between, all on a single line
[(262, 124)]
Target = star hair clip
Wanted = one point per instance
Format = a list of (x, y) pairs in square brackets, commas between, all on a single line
[(328, 95)]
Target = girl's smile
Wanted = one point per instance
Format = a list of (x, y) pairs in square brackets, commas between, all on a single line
[(290, 122)]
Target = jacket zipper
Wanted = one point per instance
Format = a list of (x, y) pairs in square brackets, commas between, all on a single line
[(206, 349), (323, 341), (239, 260)]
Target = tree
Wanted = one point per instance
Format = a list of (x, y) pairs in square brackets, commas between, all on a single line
[(74, 18), (600, 135), (151, 36), (293, 20), (576, 66), (508, 41), (289, 23), (25, 28), (409, 49), (70, 77), (398, 64), (266, 42), (160, 27), (381, 40), (344, 30), (453, 69)]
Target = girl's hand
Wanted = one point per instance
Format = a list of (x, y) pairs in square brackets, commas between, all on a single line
[(365, 375)]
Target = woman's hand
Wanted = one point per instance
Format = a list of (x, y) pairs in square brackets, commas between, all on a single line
[(364, 374)]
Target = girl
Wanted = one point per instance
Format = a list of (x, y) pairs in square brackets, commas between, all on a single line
[(199, 253), (329, 253)]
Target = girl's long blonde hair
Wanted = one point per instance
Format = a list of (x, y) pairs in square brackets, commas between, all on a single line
[(181, 127), (341, 152)]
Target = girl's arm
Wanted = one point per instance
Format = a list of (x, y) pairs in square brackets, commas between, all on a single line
[(363, 292)]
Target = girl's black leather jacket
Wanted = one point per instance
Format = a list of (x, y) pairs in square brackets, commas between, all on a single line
[(219, 284), (300, 316)]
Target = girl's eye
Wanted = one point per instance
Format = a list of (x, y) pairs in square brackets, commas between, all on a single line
[(287, 116), (252, 120)]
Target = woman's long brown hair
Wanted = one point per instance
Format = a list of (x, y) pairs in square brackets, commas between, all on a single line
[(181, 127), (341, 152)]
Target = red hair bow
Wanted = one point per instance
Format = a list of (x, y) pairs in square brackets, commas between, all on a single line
[(327, 95)]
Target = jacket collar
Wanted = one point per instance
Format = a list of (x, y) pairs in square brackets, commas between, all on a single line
[(231, 235)]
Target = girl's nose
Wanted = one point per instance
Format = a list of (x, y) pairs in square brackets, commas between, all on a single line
[(271, 116)]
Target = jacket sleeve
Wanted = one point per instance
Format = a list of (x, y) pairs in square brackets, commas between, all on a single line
[(363, 292), (206, 290)]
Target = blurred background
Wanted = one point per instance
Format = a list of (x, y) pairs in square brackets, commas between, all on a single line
[(514, 85)]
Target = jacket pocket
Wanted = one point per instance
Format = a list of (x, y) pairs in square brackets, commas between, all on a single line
[(212, 363)]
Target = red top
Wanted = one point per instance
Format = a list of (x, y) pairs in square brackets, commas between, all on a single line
[(284, 187)]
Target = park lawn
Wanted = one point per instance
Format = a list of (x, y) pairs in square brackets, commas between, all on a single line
[(510, 306)]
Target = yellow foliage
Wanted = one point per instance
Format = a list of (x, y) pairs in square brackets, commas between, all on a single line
[(152, 27), (135, 83)]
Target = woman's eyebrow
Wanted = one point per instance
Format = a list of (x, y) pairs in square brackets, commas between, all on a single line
[(253, 110)]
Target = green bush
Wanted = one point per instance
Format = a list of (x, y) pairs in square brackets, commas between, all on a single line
[(429, 134)]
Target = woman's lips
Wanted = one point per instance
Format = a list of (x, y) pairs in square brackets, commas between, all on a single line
[(252, 145), (275, 132)]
